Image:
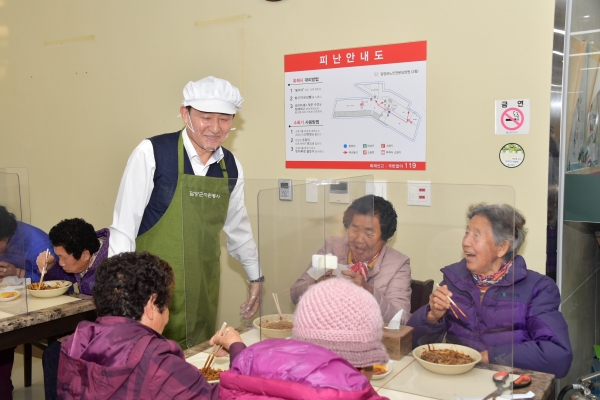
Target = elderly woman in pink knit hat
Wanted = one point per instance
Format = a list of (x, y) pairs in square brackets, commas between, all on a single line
[(330, 356)]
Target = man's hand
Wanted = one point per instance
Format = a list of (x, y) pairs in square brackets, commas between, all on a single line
[(41, 261), (7, 269), (250, 306), (358, 280), (230, 336), (439, 303)]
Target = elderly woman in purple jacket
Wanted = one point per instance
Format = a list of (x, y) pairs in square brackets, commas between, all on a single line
[(80, 249), (511, 312), (122, 355)]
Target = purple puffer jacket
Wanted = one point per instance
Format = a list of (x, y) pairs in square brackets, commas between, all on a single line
[(289, 369), (119, 358), (518, 325)]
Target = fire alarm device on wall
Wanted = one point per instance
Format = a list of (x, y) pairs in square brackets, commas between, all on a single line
[(285, 189)]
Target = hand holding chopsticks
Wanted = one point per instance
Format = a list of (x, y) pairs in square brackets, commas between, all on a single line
[(44, 261), (216, 348), (223, 339), (453, 304), (439, 302)]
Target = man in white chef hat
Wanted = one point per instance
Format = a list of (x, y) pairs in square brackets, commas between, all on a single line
[(177, 192)]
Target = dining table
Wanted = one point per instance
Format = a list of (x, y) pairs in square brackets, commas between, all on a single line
[(30, 319), (408, 380)]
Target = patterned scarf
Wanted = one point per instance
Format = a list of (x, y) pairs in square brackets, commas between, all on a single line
[(484, 282), (361, 267)]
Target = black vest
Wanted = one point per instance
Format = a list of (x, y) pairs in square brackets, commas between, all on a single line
[(165, 176)]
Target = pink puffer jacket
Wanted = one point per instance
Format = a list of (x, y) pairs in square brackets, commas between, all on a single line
[(289, 369)]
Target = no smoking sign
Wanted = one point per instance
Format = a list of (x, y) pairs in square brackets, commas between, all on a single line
[(512, 116)]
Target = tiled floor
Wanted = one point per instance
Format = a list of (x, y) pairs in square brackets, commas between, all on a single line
[(36, 391)]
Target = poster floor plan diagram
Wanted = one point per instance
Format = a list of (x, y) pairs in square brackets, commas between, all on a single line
[(384, 106), (357, 108)]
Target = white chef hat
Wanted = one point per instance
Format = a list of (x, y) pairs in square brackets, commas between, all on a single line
[(212, 95)]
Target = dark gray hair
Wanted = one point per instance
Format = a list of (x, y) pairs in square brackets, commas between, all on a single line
[(507, 225)]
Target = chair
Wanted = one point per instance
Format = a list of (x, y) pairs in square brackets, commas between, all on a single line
[(420, 294)]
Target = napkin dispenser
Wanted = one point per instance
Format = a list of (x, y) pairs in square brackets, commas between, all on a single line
[(397, 342)]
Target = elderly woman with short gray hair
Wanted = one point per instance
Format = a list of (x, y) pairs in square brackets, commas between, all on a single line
[(510, 313)]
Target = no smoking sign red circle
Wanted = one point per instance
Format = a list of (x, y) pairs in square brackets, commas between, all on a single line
[(512, 116), (512, 119)]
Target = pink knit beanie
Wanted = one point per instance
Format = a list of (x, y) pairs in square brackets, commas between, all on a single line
[(343, 318)]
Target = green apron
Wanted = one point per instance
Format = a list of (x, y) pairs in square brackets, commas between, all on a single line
[(187, 236)]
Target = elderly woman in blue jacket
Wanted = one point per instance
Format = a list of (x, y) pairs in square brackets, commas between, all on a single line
[(511, 313), (20, 243)]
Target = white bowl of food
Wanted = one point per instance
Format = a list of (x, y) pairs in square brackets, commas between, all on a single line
[(9, 295), (380, 371), (275, 326), (49, 288), (447, 358)]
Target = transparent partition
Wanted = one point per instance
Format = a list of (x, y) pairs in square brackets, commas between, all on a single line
[(14, 268), (303, 224), (433, 233)]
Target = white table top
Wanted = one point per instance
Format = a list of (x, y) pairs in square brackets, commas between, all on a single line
[(22, 305), (409, 380)]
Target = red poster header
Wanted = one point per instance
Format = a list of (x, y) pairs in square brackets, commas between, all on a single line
[(372, 55), (389, 165)]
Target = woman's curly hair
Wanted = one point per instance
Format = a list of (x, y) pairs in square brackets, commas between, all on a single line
[(125, 282), (75, 236), (8, 224), (377, 206)]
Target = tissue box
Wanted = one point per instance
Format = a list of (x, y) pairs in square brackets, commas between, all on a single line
[(327, 261), (397, 342)]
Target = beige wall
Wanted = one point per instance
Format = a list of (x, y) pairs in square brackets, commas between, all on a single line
[(82, 82)]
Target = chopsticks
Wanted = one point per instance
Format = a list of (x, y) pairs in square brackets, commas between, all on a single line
[(277, 304), (44, 269), (452, 303), (216, 348)]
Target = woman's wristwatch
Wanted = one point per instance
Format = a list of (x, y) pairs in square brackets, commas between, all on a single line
[(261, 279)]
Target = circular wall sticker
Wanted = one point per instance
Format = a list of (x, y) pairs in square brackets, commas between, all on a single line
[(512, 155)]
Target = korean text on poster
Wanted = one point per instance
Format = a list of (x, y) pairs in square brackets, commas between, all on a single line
[(358, 108)]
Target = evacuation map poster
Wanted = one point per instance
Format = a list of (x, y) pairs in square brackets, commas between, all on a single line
[(361, 108)]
